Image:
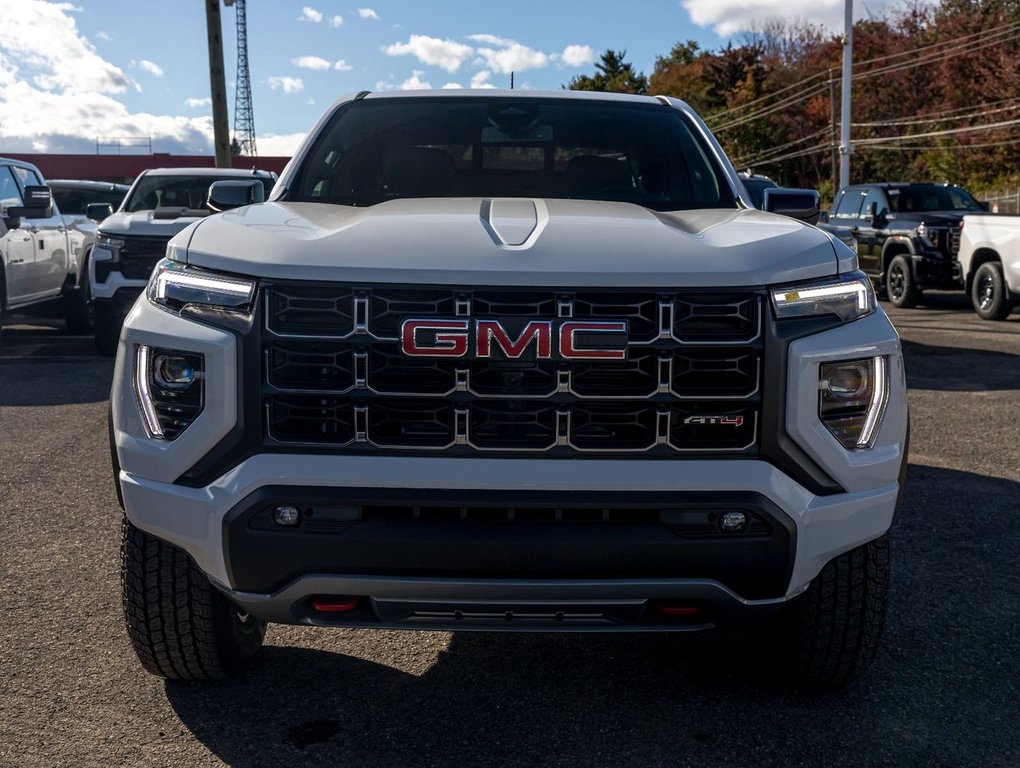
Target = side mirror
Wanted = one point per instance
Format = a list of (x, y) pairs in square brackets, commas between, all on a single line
[(98, 211), (38, 204), (227, 195), (12, 222), (801, 204)]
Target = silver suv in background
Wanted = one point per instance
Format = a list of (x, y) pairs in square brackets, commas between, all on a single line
[(160, 203)]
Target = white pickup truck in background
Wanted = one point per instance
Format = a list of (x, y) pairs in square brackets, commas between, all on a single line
[(39, 253), (990, 261)]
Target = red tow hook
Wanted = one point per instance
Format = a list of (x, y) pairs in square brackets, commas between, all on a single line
[(678, 609), (334, 603)]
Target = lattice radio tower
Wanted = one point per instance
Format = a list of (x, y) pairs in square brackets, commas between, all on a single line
[(244, 115)]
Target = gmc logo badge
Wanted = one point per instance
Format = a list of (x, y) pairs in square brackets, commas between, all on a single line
[(539, 339)]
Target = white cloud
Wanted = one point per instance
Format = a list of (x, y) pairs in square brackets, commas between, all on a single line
[(310, 15), (336, 21), (445, 54), (286, 84), (513, 58), (502, 42), (101, 35), (481, 80), (151, 67), (196, 103), (30, 117), (452, 86), (415, 83), (368, 13), (311, 62), (577, 55), (342, 66), (728, 17), (41, 40), (282, 145)]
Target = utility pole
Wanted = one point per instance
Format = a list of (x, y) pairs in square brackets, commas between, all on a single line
[(845, 148), (832, 128), (218, 85)]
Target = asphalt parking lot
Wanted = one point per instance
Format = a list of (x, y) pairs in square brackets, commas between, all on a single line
[(942, 692)]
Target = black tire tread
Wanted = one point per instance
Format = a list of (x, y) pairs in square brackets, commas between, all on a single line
[(1002, 305), (911, 293), (838, 622), (180, 626)]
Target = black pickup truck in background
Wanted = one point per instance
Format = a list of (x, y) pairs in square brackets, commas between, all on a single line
[(906, 235)]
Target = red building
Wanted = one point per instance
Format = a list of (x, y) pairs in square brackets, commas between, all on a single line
[(124, 168)]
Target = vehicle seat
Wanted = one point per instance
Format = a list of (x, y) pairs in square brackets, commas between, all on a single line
[(417, 172), (587, 174), (175, 198)]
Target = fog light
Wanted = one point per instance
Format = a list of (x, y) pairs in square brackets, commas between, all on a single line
[(733, 522), (852, 398), (288, 516)]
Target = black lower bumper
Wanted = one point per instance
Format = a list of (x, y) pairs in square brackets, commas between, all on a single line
[(935, 270), (113, 310), (531, 535)]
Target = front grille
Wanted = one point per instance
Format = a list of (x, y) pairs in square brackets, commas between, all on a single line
[(138, 256), (335, 377)]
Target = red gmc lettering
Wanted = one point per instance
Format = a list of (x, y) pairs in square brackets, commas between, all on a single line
[(568, 342), (450, 339), (537, 331)]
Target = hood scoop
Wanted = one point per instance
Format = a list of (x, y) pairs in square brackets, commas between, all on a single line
[(514, 223)]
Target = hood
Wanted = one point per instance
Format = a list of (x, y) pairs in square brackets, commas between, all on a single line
[(144, 224), (520, 242)]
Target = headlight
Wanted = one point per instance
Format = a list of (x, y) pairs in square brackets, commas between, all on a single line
[(107, 248), (169, 387), (852, 399), (849, 298), (176, 286)]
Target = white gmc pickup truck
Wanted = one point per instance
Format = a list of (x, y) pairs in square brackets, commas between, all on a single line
[(990, 261), (508, 361)]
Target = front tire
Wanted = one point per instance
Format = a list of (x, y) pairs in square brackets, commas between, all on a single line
[(989, 293), (78, 305), (180, 625), (106, 328), (899, 284), (830, 633)]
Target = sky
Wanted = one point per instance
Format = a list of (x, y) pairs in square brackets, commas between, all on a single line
[(74, 73)]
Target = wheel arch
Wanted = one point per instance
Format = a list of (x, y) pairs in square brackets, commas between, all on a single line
[(981, 256), (894, 247)]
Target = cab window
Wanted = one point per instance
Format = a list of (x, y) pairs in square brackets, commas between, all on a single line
[(874, 196), (850, 204), (10, 194)]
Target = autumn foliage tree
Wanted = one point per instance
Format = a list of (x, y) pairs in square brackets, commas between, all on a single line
[(928, 82)]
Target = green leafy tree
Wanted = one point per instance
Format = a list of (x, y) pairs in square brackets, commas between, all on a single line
[(613, 74)]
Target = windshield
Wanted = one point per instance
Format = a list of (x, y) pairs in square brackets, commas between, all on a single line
[(931, 197), (178, 191), (647, 154), (71, 200)]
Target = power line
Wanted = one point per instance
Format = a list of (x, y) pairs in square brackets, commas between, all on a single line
[(988, 38), (960, 113), (929, 134)]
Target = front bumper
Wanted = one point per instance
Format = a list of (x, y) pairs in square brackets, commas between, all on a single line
[(933, 269), (446, 575)]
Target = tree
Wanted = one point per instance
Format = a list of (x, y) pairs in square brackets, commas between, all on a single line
[(614, 74)]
